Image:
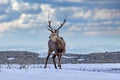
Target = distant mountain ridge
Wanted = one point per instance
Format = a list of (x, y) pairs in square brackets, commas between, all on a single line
[(25, 57)]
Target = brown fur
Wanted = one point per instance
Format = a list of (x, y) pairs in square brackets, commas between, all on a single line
[(60, 45)]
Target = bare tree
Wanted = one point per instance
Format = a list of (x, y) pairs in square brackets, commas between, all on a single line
[(56, 44)]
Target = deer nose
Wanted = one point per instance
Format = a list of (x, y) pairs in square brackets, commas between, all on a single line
[(49, 36)]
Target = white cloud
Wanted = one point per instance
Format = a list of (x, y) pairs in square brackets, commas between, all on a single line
[(74, 28), (91, 1), (15, 5), (103, 30), (82, 14), (108, 2), (95, 14), (70, 8), (3, 2), (46, 9), (108, 32), (3, 27), (96, 28), (40, 19), (106, 14), (76, 12), (23, 6), (29, 20), (92, 14), (19, 23), (95, 24), (75, 1)]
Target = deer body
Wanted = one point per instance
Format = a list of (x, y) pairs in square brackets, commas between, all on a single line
[(56, 44)]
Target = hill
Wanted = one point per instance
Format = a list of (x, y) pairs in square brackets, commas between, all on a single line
[(25, 57)]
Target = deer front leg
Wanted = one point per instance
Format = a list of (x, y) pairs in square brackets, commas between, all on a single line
[(54, 62), (46, 61), (49, 52), (59, 61)]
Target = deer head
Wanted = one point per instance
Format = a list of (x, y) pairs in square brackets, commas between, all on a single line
[(54, 32)]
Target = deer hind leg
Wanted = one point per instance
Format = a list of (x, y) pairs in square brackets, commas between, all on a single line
[(59, 61), (49, 52), (54, 62)]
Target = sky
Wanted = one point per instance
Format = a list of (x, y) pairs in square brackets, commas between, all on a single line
[(91, 26)]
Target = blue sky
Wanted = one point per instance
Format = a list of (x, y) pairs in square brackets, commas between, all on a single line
[(92, 25)]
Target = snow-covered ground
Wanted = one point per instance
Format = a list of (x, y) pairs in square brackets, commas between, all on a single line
[(69, 72)]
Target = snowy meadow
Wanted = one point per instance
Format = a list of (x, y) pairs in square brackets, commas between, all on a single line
[(68, 72)]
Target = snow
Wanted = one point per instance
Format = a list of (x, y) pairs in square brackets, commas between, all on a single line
[(81, 59), (67, 57), (43, 55), (10, 58), (69, 72)]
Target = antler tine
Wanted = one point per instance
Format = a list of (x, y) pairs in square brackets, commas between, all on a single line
[(49, 25), (50, 30), (62, 23)]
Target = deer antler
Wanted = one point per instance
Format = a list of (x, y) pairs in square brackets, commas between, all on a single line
[(62, 23), (49, 25)]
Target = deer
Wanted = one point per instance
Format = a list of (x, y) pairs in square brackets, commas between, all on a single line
[(56, 44)]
